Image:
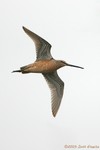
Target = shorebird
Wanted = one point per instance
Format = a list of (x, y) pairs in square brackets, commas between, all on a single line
[(48, 66)]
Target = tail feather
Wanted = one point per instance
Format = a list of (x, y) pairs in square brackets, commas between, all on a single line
[(22, 70), (16, 71)]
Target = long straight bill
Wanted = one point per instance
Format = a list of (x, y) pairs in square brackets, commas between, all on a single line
[(75, 66)]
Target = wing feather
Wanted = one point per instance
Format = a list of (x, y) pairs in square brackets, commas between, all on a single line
[(42, 46), (56, 86)]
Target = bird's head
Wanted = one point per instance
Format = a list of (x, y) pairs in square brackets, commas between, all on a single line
[(62, 63)]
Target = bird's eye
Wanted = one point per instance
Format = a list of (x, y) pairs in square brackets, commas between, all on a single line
[(63, 62)]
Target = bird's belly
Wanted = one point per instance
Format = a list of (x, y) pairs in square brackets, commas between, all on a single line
[(46, 66)]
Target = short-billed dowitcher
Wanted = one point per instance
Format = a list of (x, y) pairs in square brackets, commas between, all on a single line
[(48, 66)]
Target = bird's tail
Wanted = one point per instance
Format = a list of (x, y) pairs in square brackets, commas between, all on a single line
[(22, 70), (16, 71)]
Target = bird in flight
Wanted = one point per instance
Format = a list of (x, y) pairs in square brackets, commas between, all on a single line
[(48, 66)]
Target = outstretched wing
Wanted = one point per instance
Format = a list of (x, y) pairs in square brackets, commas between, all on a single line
[(56, 86), (42, 46)]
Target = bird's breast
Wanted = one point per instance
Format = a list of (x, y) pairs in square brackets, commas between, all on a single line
[(44, 66)]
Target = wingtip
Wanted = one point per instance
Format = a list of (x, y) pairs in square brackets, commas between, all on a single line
[(26, 30), (23, 28), (54, 114)]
